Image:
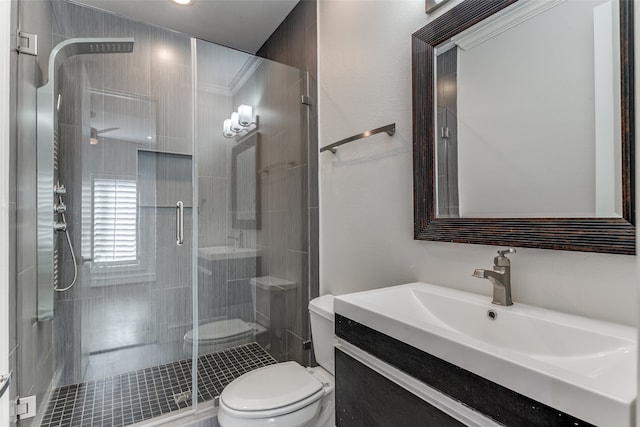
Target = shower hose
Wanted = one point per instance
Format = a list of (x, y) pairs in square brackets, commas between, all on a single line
[(73, 255)]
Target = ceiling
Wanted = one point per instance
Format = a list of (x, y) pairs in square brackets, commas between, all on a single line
[(240, 24)]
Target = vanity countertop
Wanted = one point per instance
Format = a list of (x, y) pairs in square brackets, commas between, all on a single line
[(217, 253), (578, 365)]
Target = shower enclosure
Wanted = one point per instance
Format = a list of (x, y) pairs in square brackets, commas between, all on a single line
[(172, 254)]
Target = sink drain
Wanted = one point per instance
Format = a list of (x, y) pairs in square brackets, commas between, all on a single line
[(491, 314)]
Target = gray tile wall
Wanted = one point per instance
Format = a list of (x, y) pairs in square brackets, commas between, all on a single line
[(447, 148), (295, 43)]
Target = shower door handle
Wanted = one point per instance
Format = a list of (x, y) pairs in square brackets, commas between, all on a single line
[(179, 223)]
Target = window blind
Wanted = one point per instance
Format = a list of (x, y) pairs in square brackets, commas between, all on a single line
[(114, 221)]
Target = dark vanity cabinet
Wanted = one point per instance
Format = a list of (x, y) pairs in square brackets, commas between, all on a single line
[(367, 396)]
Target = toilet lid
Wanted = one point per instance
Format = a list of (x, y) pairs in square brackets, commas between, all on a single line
[(221, 330), (270, 387)]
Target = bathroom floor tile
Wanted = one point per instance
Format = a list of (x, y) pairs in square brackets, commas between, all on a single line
[(146, 393)]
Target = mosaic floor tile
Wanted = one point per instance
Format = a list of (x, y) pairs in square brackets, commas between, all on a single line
[(147, 393)]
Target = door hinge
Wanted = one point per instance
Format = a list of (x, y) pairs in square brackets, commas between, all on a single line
[(444, 132), (27, 43), (306, 100), (25, 407)]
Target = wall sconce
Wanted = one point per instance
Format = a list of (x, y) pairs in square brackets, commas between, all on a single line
[(240, 121), (93, 137)]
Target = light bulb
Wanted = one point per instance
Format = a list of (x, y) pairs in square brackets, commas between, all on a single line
[(226, 129), (245, 115), (235, 124)]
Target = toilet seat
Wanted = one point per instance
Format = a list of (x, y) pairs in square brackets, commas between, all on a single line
[(221, 331), (271, 391)]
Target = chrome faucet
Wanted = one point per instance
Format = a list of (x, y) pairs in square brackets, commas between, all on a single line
[(239, 239), (500, 277)]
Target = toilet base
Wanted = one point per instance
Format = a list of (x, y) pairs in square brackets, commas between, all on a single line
[(320, 413), (327, 416), (213, 346), (187, 347)]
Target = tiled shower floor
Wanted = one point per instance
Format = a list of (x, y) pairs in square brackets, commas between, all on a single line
[(147, 393)]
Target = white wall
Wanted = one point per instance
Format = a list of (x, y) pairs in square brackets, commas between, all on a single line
[(366, 189), (548, 168)]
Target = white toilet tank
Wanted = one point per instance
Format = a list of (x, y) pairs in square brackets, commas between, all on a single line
[(322, 331)]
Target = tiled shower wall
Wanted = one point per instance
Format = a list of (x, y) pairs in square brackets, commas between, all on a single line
[(294, 43)]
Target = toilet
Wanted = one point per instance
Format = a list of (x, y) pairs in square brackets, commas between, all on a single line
[(220, 335), (288, 394)]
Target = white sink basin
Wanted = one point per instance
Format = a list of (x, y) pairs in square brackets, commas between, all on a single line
[(216, 253), (581, 366)]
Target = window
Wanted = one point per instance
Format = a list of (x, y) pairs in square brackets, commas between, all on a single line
[(115, 221)]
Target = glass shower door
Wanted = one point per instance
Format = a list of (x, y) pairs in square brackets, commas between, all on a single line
[(253, 245), (125, 156)]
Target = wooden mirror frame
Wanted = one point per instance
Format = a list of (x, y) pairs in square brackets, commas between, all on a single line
[(609, 235)]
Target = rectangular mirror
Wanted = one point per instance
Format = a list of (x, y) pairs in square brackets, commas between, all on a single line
[(245, 183), (523, 132), (525, 126)]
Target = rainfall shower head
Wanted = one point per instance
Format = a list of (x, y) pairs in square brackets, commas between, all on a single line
[(107, 46), (90, 46), (85, 46)]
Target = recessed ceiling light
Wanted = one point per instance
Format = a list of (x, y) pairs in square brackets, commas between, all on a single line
[(183, 2)]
